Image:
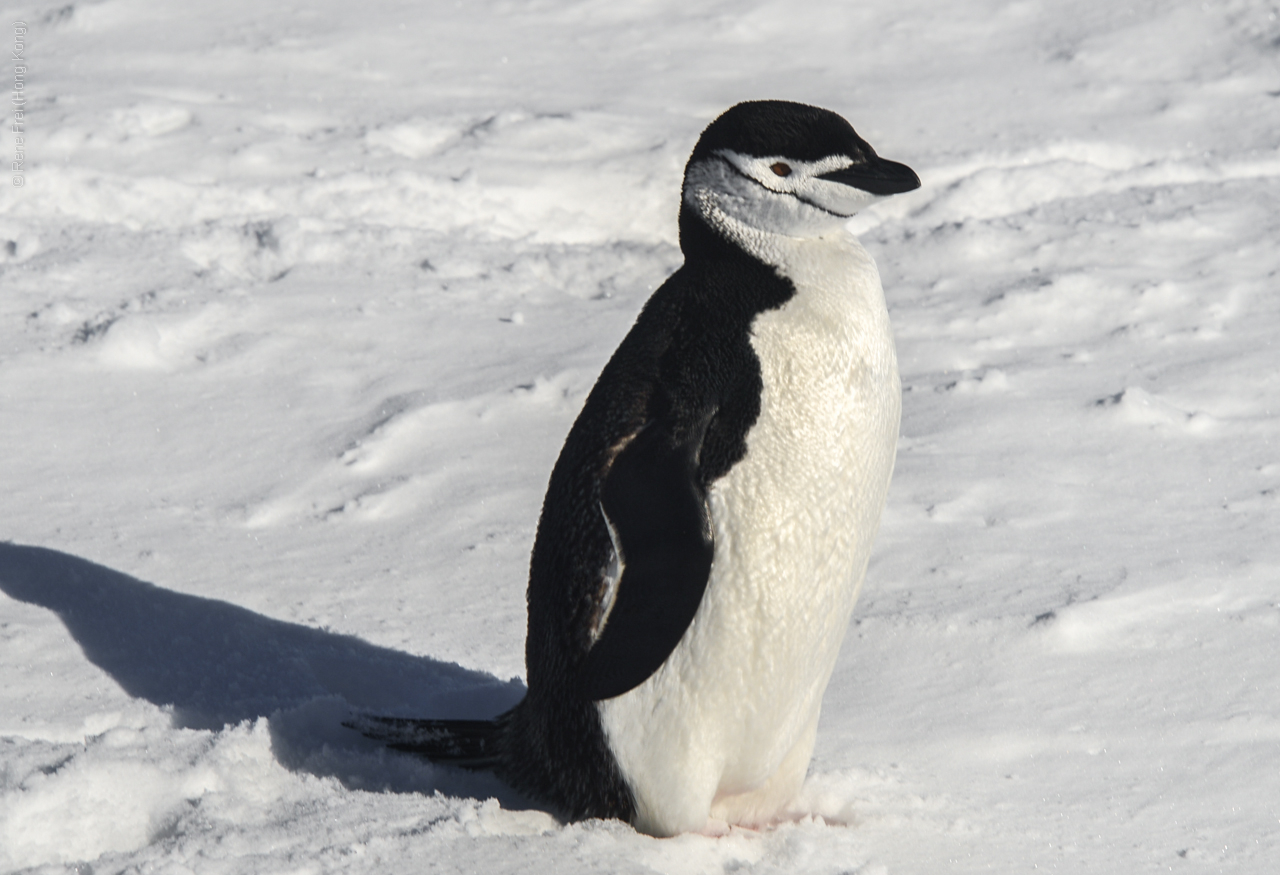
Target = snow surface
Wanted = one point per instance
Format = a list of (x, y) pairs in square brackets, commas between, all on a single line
[(298, 302)]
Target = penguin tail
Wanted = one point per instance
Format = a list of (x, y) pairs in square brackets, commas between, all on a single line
[(469, 744)]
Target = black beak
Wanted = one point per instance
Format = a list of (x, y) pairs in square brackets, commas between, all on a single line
[(876, 176)]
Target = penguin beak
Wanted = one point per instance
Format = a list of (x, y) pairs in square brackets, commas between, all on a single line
[(876, 176)]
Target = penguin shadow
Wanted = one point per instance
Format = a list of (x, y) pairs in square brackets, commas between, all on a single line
[(214, 664)]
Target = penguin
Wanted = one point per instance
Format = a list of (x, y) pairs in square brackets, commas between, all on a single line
[(707, 526)]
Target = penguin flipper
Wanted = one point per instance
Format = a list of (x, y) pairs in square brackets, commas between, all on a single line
[(652, 499), (469, 744)]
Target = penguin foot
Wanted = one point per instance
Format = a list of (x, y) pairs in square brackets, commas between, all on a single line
[(716, 828)]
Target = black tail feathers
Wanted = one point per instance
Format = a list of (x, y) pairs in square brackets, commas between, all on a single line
[(470, 744)]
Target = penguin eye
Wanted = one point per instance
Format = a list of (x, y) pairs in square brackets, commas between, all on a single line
[(781, 169)]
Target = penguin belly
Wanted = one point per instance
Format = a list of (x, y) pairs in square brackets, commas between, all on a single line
[(725, 727)]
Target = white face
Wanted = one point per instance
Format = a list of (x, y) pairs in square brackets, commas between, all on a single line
[(774, 194)]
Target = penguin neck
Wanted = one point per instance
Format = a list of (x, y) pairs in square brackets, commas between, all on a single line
[(756, 285), (833, 265), (708, 231), (699, 240)]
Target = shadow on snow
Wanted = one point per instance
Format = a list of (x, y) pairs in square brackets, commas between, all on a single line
[(216, 664)]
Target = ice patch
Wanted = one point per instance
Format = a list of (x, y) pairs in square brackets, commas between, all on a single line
[(151, 120), (263, 249), (133, 343), (17, 245), (1134, 405), (988, 382), (410, 458), (1138, 620), (131, 338), (122, 790), (489, 818), (413, 139), (972, 507), (1003, 185)]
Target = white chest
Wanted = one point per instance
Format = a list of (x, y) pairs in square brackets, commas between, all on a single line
[(796, 517)]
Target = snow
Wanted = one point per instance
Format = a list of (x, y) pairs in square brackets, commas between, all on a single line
[(298, 303)]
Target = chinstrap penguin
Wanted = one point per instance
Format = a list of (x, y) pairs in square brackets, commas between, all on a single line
[(707, 526)]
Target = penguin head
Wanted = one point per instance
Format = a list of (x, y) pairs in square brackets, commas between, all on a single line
[(786, 168)]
